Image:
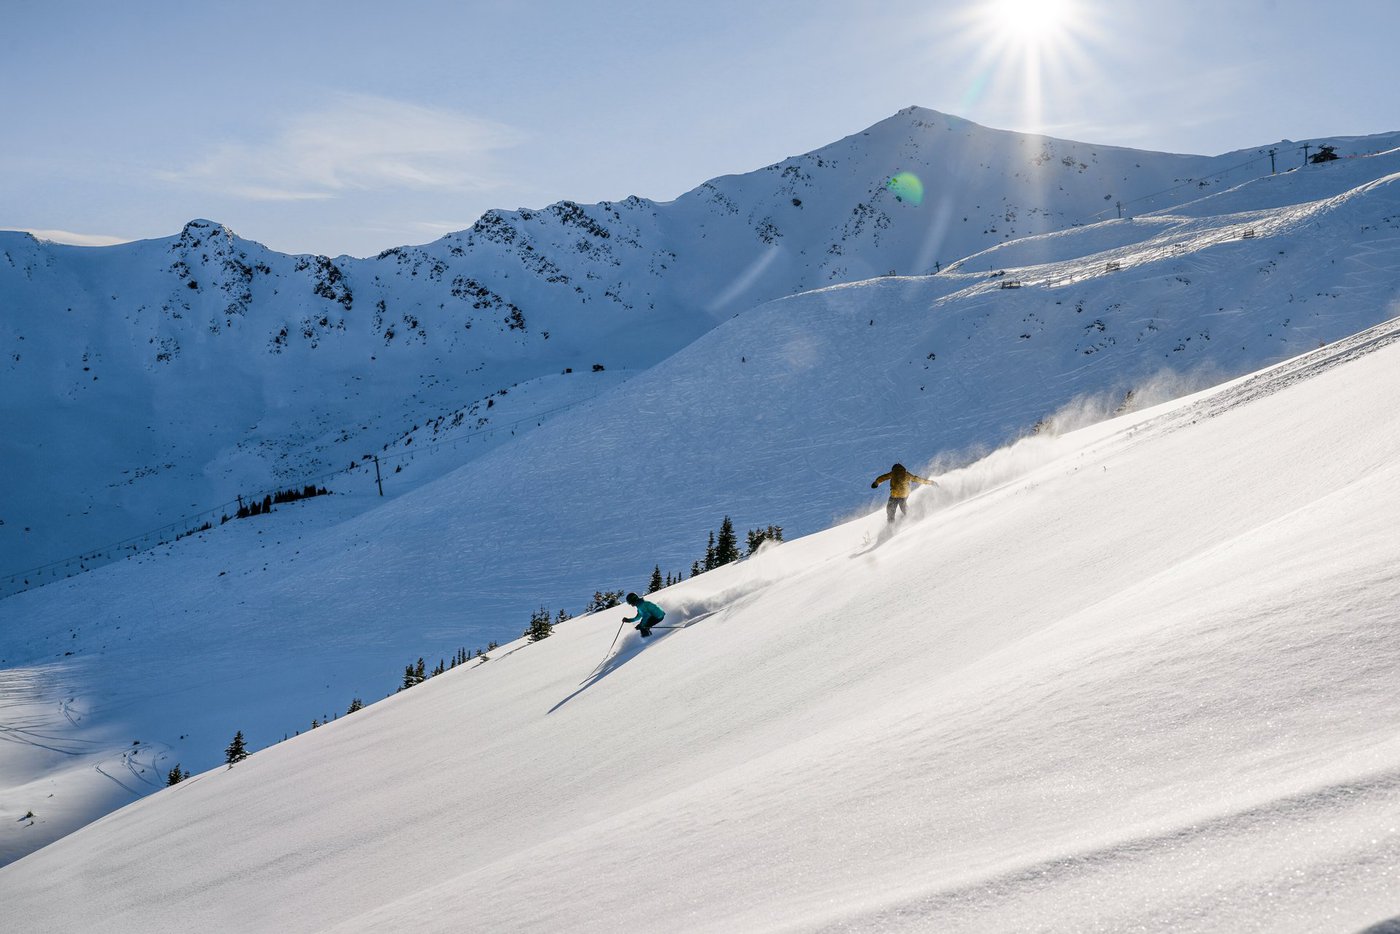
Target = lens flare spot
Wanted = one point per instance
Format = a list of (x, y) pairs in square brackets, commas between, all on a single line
[(906, 187)]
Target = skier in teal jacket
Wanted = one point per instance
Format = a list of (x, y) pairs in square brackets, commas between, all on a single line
[(648, 614)]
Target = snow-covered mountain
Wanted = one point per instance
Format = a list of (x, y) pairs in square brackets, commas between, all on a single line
[(152, 383), (778, 414), (1138, 677)]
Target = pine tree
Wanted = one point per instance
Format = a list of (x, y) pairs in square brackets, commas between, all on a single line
[(562, 616), (175, 776), (711, 561), (540, 626), (727, 547), (237, 750), (656, 582), (420, 673), (355, 704)]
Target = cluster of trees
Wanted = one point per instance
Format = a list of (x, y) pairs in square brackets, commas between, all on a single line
[(756, 537), (541, 626), (417, 672), (604, 600), (724, 547), (259, 507)]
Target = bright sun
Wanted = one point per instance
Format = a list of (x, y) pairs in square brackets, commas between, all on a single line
[(1030, 23), (1028, 52)]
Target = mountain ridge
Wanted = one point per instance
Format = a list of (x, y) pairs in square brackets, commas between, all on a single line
[(519, 296)]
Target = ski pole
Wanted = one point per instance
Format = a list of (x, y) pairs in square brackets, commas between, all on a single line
[(611, 644)]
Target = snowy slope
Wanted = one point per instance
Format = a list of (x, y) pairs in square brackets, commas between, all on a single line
[(780, 415), (1139, 677), (152, 383)]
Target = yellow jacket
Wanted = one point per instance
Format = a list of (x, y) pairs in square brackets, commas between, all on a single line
[(899, 482)]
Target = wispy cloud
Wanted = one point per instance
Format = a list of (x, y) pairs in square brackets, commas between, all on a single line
[(75, 239), (358, 143)]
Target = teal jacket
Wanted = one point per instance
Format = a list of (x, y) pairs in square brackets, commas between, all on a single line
[(649, 611)]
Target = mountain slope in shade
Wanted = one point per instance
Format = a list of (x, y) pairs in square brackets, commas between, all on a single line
[(1134, 677)]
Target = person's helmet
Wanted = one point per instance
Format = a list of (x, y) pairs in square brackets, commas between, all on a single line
[(633, 599), (899, 468)]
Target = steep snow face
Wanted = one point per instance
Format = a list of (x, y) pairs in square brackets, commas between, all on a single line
[(151, 383), (1139, 677), (780, 415)]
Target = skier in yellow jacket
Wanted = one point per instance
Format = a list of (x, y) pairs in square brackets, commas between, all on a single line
[(899, 489)]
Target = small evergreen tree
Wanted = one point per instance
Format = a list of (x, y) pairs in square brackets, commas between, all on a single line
[(656, 583), (562, 616), (355, 704), (420, 672), (540, 626), (727, 546), (710, 557), (175, 776), (237, 750)]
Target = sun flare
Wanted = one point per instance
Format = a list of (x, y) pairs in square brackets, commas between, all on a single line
[(1031, 23), (1025, 52)]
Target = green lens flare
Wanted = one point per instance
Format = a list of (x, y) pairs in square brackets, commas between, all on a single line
[(907, 187)]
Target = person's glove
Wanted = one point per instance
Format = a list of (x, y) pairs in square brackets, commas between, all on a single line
[(875, 485)]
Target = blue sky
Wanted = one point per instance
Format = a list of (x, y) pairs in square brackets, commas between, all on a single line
[(351, 127)]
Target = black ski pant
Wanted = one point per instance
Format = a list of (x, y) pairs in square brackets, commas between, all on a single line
[(896, 502)]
